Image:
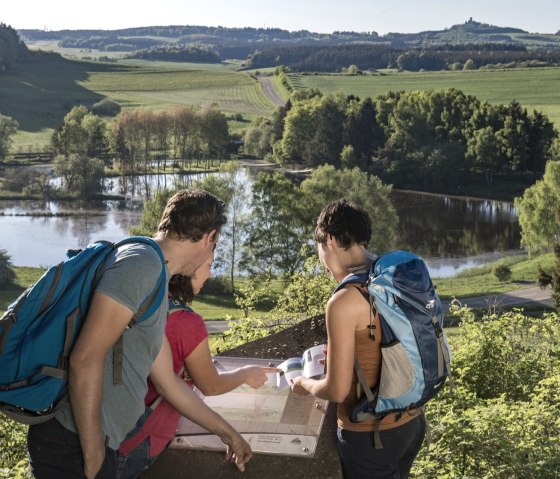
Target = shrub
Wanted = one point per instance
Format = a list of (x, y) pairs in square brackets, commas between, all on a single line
[(13, 450), (106, 107), (217, 285), (7, 274), (502, 272), (18, 179), (499, 418)]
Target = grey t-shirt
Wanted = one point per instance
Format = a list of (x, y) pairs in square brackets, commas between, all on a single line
[(129, 277)]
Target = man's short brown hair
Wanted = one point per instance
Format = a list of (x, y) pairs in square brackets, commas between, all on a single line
[(190, 214), (345, 221)]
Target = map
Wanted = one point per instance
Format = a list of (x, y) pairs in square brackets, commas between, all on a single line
[(272, 420)]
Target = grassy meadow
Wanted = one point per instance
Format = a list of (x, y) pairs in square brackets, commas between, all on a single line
[(537, 88), (40, 94)]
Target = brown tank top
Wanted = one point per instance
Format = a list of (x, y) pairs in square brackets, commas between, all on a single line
[(369, 358)]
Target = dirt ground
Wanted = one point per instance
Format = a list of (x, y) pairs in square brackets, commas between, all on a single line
[(175, 463)]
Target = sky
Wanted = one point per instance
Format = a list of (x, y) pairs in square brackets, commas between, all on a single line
[(324, 16)]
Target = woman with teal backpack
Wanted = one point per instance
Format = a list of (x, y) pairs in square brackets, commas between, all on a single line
[(188, 337), (342, 235)]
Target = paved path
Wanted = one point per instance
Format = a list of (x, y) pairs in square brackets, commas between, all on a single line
[(530, 296), (270, 91)]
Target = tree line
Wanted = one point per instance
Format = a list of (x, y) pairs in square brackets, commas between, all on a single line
[(12, 49), (189, 52), (373, 57), (136, 141), (417, 139)]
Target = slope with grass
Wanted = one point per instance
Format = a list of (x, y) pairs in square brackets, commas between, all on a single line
[(40, 94)]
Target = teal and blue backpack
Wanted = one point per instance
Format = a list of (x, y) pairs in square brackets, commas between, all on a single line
[(38, 330), (414, 352)]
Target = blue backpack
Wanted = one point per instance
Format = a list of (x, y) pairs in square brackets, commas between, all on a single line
[(38, 330), (414, 352)]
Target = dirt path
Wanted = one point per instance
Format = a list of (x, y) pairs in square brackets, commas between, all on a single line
[(270, 91)]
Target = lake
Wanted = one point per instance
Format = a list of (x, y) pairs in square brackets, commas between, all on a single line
[(450, 233)]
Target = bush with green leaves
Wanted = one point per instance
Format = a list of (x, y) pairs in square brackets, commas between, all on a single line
[(106, 107), (501, 416), (551, 276), (502, 272), (306, 295), (13, 450), (7, 274)]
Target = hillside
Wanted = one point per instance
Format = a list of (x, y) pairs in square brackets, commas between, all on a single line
[(240, 42)]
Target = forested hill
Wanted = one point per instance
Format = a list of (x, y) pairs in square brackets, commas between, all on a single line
[(12, 50), (244, 41), (469, 45)]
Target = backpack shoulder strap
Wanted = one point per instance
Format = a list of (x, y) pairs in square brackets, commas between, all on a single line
[(174, 306), (353, 278), (178, 305)]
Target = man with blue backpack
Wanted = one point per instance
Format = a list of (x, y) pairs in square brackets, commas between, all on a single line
[(385, 352), (113, 355)]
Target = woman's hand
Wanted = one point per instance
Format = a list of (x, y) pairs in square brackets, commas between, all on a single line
[(238, 451), (297, 387), (256, 376)]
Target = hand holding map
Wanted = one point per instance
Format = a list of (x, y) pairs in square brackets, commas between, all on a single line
[(310, 365)]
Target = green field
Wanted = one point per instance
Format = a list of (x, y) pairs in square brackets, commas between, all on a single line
[(537, 88), (41, 94)]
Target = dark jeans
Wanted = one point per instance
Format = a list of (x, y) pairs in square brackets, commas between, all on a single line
[(131, 466), (55, 453), (360, 459)]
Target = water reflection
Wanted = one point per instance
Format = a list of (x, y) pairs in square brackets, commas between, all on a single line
[(38, 233), (451, 233), (451, 227), (143, 186)]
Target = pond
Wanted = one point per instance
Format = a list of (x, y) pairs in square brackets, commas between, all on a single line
[(451, 233)]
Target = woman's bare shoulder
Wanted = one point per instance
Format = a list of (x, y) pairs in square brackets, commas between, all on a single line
[(348, 304)]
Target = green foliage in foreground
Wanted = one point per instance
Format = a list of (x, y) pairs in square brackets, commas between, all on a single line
[(13, 450), (501, 416), (500, 419)]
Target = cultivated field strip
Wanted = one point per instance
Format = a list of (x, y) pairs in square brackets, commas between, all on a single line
[(232, 92)]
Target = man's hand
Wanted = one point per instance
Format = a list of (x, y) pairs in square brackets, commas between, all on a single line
[(94, 461), (185, 401), (238, 451)]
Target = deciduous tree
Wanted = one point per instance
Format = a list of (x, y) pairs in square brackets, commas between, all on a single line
[(539, 210), (8, 128)]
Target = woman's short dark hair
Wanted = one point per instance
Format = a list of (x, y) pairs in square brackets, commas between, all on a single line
[(180, 287), (345, 221)]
